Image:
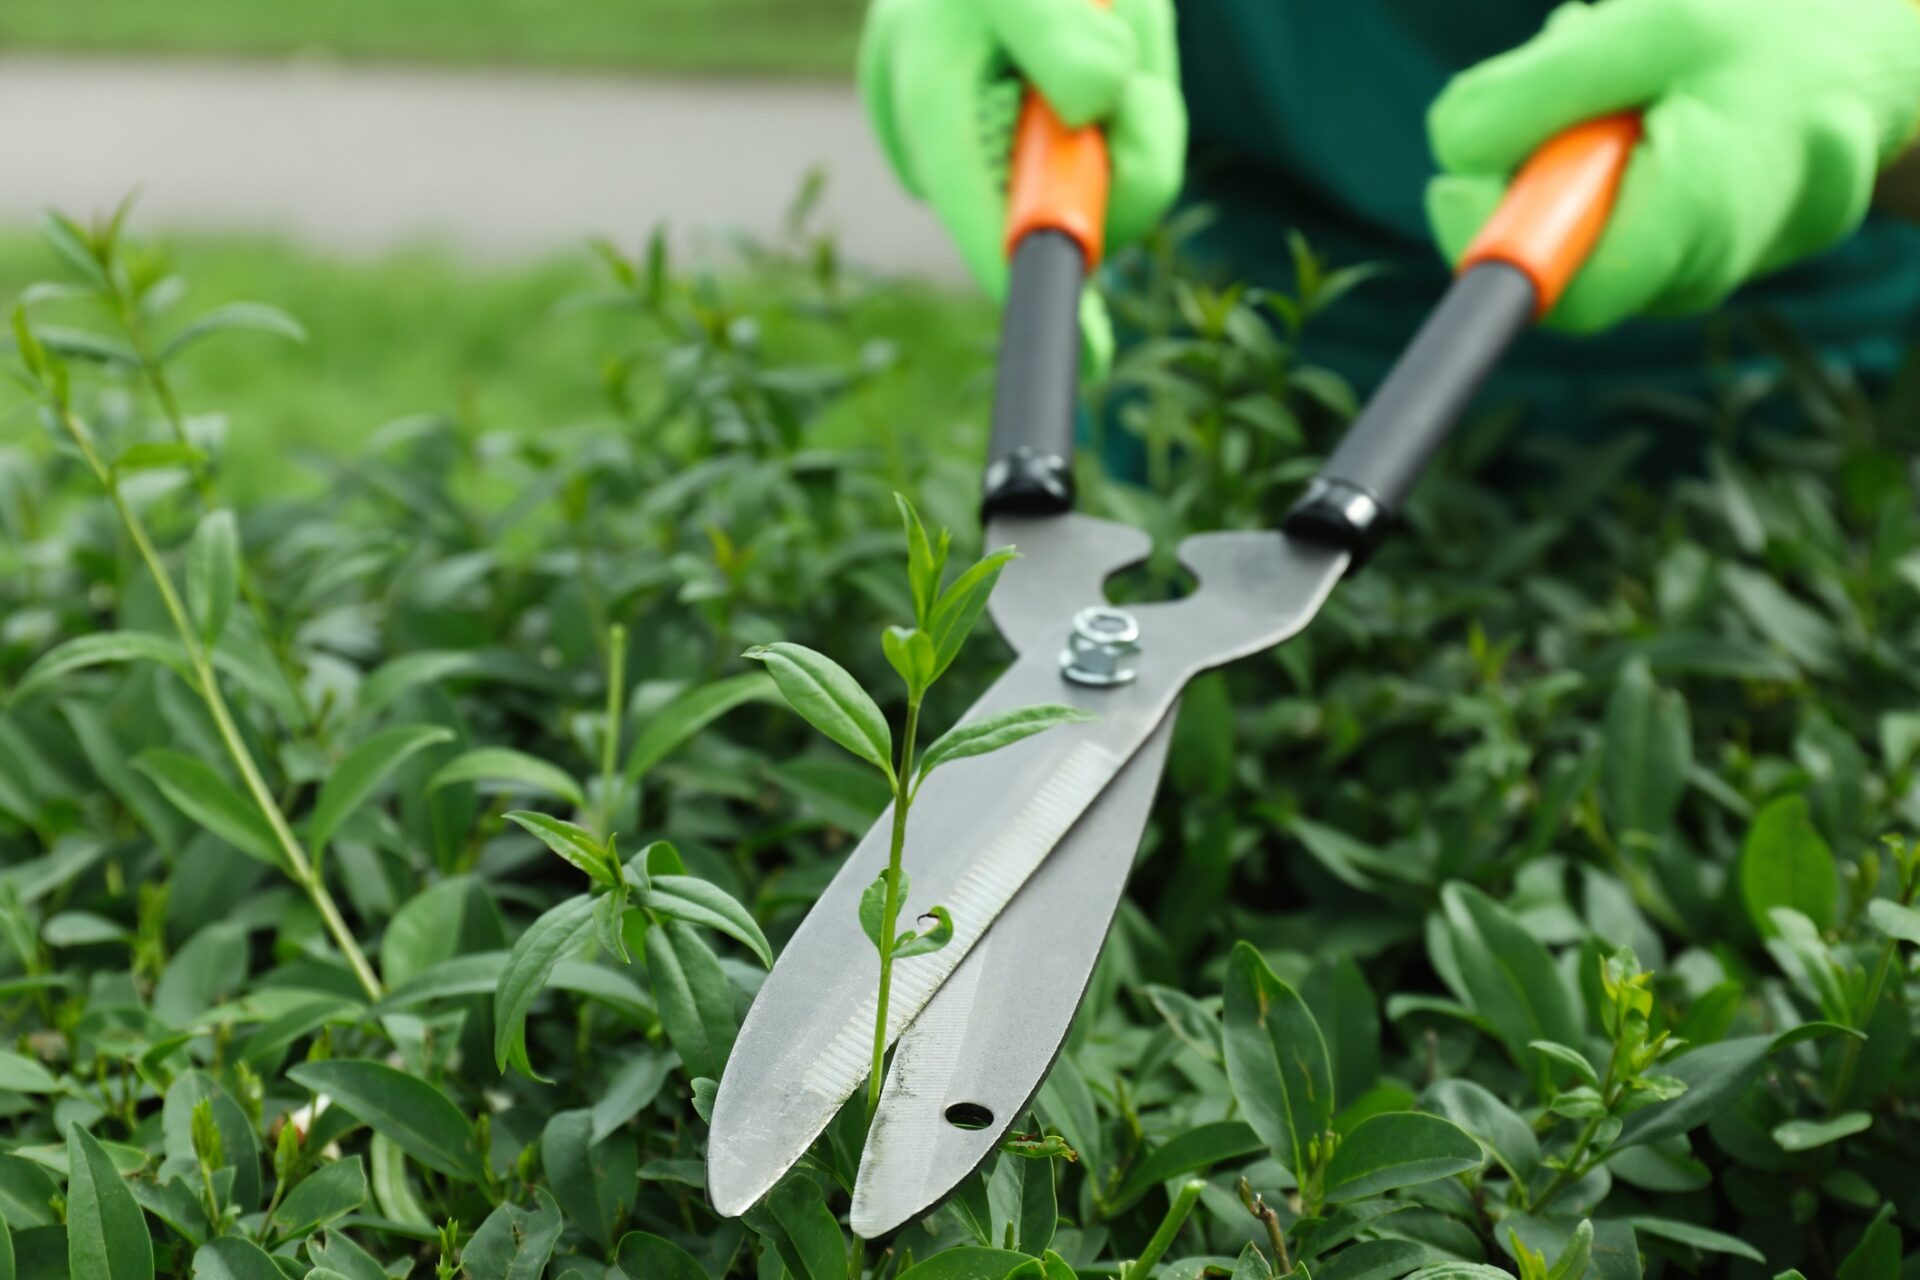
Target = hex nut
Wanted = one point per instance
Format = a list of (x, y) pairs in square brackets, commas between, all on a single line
[(1103, 648)]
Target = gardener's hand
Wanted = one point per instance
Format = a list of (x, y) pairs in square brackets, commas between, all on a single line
[(1767, 122), (942, 81)]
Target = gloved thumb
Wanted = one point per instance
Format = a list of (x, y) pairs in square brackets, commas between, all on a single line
[(1076, 53), (1590, 59)]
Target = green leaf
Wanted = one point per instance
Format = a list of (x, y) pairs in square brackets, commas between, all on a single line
[(1190, 1151), (1647, 748), (233, 1258), (910, 653), (204, 796), (969, 1262), (1506, 1135), (996, 730), (329, 1193), (1573, 1260), (926, 561), (213, 572), (1805, 1135), (106, 1232), (573, 842), (926, 942), (873, 908), (514, 1243), (1786, 863), (21, 1074), (695, 998), (1696, 1237), (594, 1179), (1251, 1264), (641, 1254), (688, 714), (1802, 633), (1380, 1260), (1504, 974), (553, 936), (234, 317), (1021, 1199), (100, 650), (830, 700), (1896, 921), (156, 455), (701, 902), (1877, 1256), (960, 605), (1614, 1250), (403, 1108), (1276, 1059), (443, 920), (362, 770), (806, 1233), (510, 771), (631, 1090), (1716, 1076), (339, 1253), (1567, 1057), (411, 670), (1398, 1149)]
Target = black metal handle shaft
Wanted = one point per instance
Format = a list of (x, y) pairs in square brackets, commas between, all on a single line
[(1030, 455), (1368, 477)]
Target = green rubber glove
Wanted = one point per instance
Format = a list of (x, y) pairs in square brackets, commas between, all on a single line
[(1767, 122), (943, 79)]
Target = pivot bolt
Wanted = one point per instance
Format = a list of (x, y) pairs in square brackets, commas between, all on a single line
[(1103, 648)]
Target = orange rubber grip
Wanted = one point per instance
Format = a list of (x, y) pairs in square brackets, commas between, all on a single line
[(1058, 179), (1558, 205)]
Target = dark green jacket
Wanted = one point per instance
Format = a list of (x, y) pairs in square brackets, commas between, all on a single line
[(1312, 114)]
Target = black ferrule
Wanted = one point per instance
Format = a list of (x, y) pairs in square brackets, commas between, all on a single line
[(1030, 456), (1364, 484)]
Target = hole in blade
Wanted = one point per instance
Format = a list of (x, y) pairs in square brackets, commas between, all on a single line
[(969, 1115)]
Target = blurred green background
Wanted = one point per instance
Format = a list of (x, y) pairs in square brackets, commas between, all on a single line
[(755, 37), (422, 330)]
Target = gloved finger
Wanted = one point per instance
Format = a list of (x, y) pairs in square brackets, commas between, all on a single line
[(1458, 205), (1590, 60), (955, 117), (1153, 25), (1096, 336), (1147, 132), (1078, 54), (1702, 151), (1147, 146), (1667, 226), (875, 74)]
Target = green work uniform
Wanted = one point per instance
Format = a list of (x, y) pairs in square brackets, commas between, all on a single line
[(1312, 114)]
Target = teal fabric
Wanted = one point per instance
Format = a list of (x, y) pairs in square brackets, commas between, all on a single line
[(1311, 114)]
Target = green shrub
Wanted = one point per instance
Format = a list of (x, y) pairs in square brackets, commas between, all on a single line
[(1546, 908)]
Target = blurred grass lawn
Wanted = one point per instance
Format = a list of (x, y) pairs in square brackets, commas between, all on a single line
[(783, 37), (419, 331)]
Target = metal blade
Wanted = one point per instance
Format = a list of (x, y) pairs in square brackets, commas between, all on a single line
[(982, 826), (993, 1031)]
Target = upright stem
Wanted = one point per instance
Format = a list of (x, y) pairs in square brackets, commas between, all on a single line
[(1850, 1055), (156, 376), (1574, 1169), (610, 741), (902, 801), (1177, 1213), (297, 864)]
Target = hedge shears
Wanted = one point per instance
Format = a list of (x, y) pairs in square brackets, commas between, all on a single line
[(1030, 847)]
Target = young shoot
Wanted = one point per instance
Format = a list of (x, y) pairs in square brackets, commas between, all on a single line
[(833, 702)]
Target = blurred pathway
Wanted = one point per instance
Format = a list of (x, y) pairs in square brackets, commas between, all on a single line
[(499, 164)]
